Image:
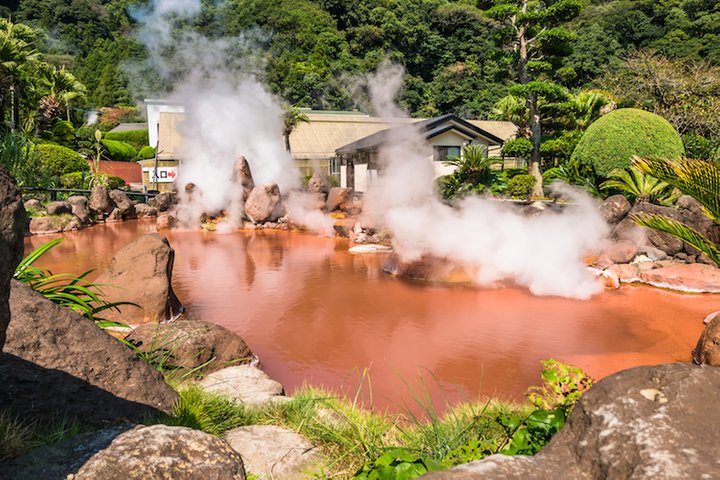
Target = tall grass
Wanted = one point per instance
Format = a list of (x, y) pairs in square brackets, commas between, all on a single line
[(18, 436)]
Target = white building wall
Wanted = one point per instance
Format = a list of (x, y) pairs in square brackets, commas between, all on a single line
[(153, 109)]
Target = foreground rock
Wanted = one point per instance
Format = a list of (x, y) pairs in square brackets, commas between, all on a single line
[(242, 176), (707, 350), (275, 452), (643, 423), (141, 273), (340, 198), (698, 278), (193, 344), (264, 204), (160, 451), (12, 226), (122, 203), (58, 208), (100, 201), (243, 383), (615, 208), (80, 209), (88, 373)]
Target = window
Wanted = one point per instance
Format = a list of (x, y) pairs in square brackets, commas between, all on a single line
[(440, 154), (335, 166)]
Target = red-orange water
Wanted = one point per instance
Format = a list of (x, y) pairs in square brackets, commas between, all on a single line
[(314, 313)]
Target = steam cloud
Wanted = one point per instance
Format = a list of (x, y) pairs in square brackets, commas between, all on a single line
[(495, 241), (228, 113)]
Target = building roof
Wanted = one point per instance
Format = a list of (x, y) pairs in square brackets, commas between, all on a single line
[(124, 127), (430, 127)]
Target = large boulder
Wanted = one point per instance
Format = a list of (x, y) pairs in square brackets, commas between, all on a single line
[(318, 183), (12, 226), (101, 379), (163, 201), (143, 210), (623, 251), (166, 220), (243, 383), (192, 344), (80, 208), (340, 198), (160, 451), (264, 204), (274, 452), (122, 203), (141, 273), (58, 208), (691, 213), (665, 242), (52, 224), (100, 201), (642, 423), (242, 176), (707, 350), (615, 208)]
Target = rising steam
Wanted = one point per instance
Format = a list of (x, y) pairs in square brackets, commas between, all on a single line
[(495, 241), (228, 114)]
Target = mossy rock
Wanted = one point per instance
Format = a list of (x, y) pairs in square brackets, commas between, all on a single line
[(611, 141)]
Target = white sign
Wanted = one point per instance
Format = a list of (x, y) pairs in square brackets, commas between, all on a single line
[(164, 174)]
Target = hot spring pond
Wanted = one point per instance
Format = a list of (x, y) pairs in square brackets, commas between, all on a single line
[(313, 313)]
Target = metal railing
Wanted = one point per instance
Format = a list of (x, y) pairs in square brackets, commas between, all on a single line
[(54, 192)]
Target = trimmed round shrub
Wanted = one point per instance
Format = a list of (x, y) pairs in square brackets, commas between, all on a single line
[(74, 180), (59, 160), (136, 138), (146, 152), (120, 151), (612, 140), (521, 186)]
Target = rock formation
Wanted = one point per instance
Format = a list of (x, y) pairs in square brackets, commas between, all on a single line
[(80, 208), (58, 208), (707, 350), (243, 383), (193, 344), (100, 201), (12, 226), (141, 273), (642, 423), (242, 176), (122, 203), (264, 204), (81, 370)]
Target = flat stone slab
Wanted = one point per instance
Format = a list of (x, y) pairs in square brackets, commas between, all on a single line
[(273, 452), (244, 383), (696, 278)]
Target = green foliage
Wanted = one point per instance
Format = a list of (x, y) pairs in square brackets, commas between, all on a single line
[(521, 186), (701, 148), (205, 411), (396, 464), (473, 174), (637, 186), (66, 289), (146, 152), (63, 133), (18, 435), (85, 181), (59, 160), (119, 151), (518, 147), (700, 180), (612, 141), (22, 161), (528, 435), (136, 138), (562, 387)]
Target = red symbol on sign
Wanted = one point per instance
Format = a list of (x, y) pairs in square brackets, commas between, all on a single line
[(172, 174)]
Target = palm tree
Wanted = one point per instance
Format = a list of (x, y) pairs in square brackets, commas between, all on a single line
[(62, 88), (640, 187), (291, 119), (17, 51), (587, 107), (699, 179), (513, 108)]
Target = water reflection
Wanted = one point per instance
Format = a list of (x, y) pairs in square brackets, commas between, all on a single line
[(314, 313)]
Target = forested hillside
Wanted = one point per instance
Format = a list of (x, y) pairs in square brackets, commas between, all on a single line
[(456, 56)]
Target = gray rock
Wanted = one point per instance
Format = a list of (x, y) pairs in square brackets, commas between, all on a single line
[(163, 201), (264, 204), (642, 423), (114, 216), (667, 243), (615, 208), (166, 220), (12, 226), (193, 344), (34, 204), (274, 452), (141, 273), (100, 200), (122, 203), (244, 383), (58, 208), (143, 210), (162, 452), (653, 253), (80, 208), (96, 365)]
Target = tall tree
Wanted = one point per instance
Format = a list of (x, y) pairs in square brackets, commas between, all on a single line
[(17, 51), (537, 43)]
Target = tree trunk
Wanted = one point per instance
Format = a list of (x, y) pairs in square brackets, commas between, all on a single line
[(534, 165), (15, 92), (286, 134)]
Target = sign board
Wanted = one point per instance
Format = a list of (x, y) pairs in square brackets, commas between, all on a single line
[(164, 174)]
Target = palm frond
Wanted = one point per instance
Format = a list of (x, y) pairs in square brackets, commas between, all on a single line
[(698, 178), (681, 231)]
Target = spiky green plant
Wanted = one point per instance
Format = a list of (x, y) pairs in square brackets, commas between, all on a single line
[(699, 179), (473, 173), (639, 186), (66, 289)]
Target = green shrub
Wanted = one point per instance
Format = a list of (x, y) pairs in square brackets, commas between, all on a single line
[(81, 180), (521, 186), (701, 148), (119, 151), (518, 147), (146, 152), (59, 160), (611, 141), (136, 138), (74, 180), (63, 133), (396, 464)]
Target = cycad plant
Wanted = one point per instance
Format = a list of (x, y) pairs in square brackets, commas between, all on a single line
[(699, 179), (473, 173), (639, 186)]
